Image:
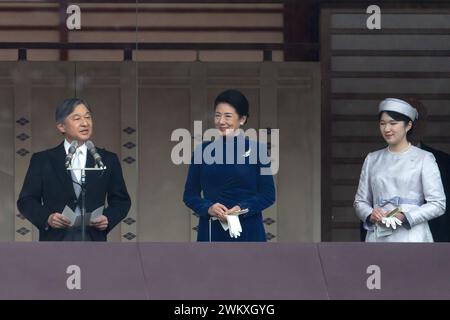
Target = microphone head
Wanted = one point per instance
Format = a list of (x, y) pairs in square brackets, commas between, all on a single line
[(90, 146), (72, 149), (73, 146), (98, 159)]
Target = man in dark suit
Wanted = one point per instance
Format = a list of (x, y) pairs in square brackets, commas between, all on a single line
[(49, 186), (440, 226)]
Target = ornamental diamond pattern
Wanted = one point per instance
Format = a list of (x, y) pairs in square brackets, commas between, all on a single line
[(20, 216), (22, 136), (269, 236), (129, 130), (22, 121), (195, 228), (129, 160), (129, 145), (269, 221), (23, 231), (129, 236), (22, 152), (129, 221)]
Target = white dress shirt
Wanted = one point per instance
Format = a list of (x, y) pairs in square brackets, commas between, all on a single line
[(79, 158)]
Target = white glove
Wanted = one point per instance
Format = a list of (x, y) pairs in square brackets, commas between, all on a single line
[(234, 225), (391, 222), (224, 225)]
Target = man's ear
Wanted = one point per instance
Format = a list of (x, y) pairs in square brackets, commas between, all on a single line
[(61, 127)]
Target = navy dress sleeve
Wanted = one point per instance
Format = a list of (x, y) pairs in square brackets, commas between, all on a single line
[(192, 191)]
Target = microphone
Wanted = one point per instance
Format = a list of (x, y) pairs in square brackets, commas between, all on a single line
[(98, 159), (72, 149)]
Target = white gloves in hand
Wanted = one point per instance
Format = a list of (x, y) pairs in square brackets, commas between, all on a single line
[(391, 222), (234, 225)]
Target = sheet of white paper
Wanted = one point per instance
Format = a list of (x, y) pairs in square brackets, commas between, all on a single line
[(75, 220), (97, 213), (69, 215)]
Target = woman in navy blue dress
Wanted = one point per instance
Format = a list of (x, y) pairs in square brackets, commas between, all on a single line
[(232, 176)]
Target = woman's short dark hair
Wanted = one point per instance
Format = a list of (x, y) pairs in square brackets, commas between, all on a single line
[(235, 99), (67, 107), (399, 117)]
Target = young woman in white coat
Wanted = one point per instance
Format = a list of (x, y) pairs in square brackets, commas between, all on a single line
[(400, 176)]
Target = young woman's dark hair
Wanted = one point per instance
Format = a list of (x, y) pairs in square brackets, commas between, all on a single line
[(399, 117)]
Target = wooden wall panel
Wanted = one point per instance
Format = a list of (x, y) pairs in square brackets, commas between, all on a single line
[(138, 22)]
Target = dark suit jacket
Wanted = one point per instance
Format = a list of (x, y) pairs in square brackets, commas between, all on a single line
[(48, 188), (440, 226)]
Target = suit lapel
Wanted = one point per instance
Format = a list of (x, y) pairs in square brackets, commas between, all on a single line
[(58, 156)]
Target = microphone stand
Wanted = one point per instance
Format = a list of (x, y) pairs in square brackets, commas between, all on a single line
[(83, 205), (83, 195)]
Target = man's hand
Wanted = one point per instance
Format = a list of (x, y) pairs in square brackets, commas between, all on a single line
[(101, 223), (219, 211), (57, 221)]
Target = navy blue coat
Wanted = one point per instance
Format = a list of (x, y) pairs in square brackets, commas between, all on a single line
[(230, 183)]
